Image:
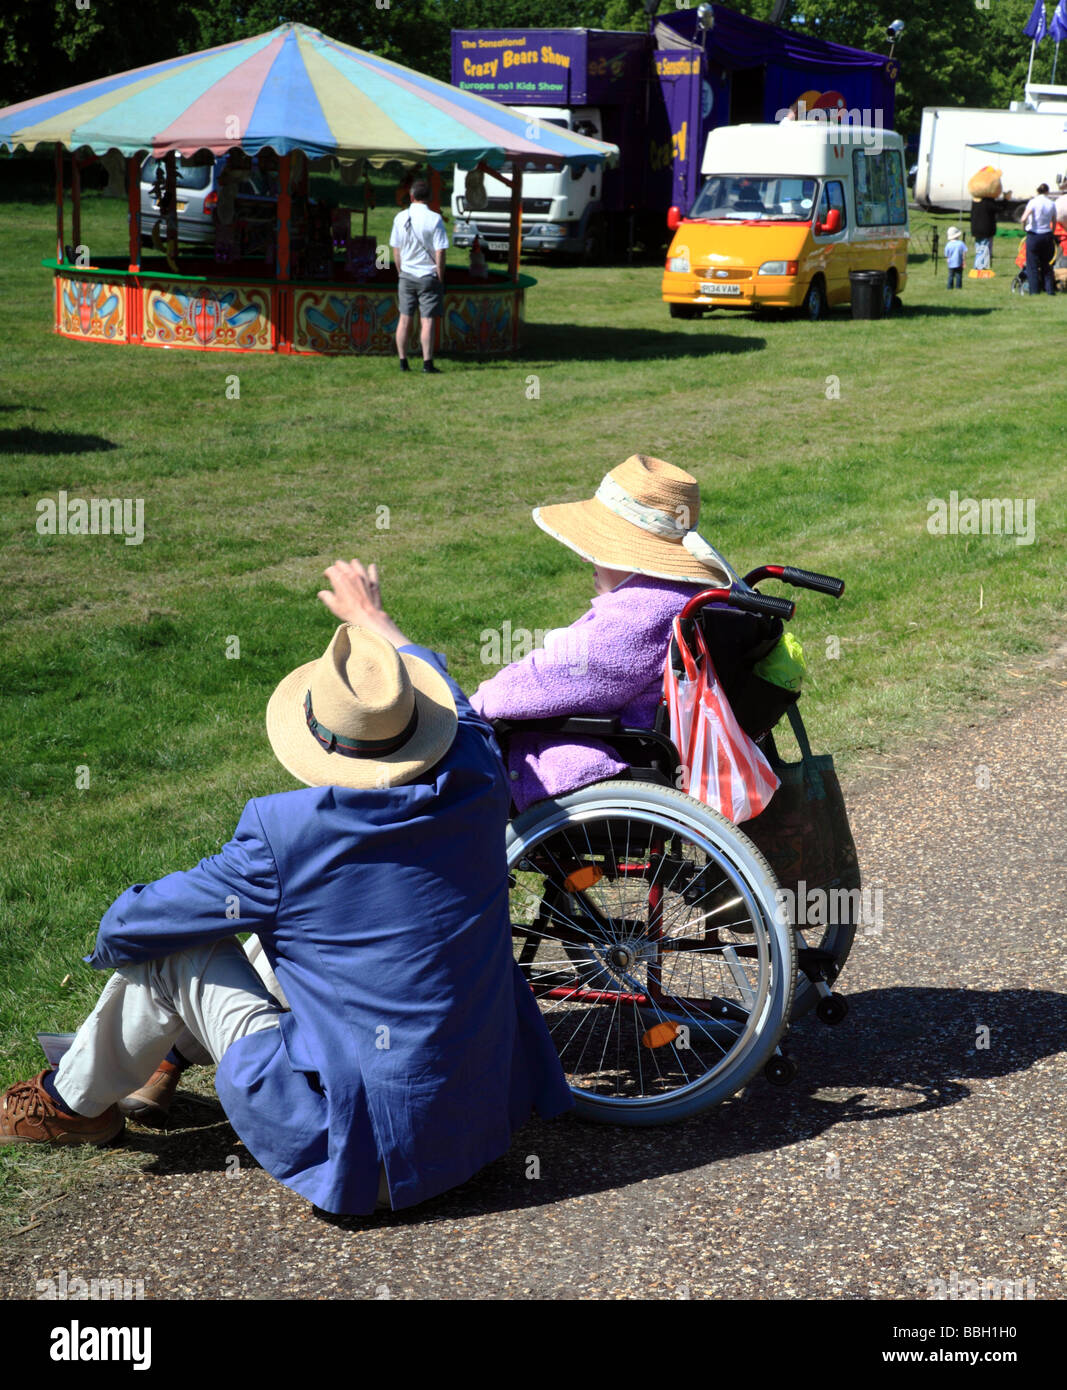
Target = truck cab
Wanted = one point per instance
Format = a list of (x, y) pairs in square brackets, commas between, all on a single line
[(786, 213), (561, 208)]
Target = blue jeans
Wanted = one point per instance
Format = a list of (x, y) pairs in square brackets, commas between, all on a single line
[(955, 277), (1040, 253)]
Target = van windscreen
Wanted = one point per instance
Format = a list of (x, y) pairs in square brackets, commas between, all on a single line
[(761, 196)]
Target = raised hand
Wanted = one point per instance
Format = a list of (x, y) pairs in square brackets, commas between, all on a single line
[(356, 598)]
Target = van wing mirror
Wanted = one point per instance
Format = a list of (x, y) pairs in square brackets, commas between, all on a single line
[(674, 218), (832, 223)]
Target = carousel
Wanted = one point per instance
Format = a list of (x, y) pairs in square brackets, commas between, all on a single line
[(221, 146)]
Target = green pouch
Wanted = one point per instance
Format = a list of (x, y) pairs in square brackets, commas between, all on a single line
[(784, 665)]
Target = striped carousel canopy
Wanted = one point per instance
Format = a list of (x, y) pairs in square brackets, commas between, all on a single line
[(290, 89)]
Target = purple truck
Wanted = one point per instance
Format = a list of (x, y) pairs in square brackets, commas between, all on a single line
[(656, 96)]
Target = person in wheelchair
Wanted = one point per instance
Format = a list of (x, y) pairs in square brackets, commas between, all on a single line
[(639, 532)]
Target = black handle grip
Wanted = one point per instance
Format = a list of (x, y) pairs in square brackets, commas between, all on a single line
[(762, 603), (806, 579)]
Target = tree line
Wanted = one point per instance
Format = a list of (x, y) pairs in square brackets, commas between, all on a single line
[(954, 53)]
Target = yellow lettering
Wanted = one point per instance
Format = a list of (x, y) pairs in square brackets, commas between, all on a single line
[(546, 55), (482, 69), (659, 156), (678, 141), (677, 67)]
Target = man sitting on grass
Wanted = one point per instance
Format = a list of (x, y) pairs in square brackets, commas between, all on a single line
[(400, 1046)]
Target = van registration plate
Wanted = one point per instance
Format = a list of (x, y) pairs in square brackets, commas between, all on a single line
[(720, 289), (497, 245)]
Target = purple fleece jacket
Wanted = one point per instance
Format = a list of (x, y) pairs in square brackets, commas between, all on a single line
[(608, 662)]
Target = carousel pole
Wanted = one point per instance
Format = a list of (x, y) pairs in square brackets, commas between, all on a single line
[(281, 259), (76, 204), (133, 207), (515, 225), (134, 289), (171, 167), (59, 203), (435, 203)]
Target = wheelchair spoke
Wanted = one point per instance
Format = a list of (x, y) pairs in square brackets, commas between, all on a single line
[(649, 951)]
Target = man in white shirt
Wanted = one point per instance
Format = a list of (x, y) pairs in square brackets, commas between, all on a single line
[(419, 243), (1039, 219)]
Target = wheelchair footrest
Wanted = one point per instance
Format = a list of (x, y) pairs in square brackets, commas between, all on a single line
[(817, 964)]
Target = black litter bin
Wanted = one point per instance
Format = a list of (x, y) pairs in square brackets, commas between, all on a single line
[(868, 293)]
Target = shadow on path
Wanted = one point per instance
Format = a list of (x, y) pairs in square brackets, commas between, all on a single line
[(919, 1042)]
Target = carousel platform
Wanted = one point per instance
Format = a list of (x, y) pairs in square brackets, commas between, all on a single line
[(240, 308)]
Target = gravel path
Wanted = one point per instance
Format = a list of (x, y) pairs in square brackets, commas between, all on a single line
[(914, 1146)]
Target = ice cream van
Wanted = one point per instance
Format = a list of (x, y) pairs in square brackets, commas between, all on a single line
[(786, 213)]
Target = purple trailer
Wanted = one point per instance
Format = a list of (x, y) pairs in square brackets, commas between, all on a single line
[(656, 96)]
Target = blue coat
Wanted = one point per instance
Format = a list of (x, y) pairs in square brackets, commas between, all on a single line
[(384, 913)]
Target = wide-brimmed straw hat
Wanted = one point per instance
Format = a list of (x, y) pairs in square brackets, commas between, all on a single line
[(362, 715), (643, 519)]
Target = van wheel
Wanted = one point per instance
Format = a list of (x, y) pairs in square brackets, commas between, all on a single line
[(594, 248), (889, 294), (684, 311), (815, 301)]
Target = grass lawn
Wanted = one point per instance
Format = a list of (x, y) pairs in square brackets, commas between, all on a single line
[(816, 445)]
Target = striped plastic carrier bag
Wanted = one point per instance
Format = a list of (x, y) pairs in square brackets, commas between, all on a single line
[(721, 766)]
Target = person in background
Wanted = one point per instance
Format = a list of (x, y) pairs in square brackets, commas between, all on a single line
[(419, 243), (1039, 218), (983, 229), (956, 255)]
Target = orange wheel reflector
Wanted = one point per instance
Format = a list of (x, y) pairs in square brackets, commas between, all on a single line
[(583, 878), (659, 1035)]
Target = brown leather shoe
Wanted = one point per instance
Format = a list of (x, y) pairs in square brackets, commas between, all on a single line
[(151, 1104), (29, 1115)]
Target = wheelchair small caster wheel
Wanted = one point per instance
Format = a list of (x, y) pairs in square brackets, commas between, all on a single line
[(833, 1009), (779, 1071)]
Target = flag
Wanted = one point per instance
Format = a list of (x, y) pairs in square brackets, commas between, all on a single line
[(1035, 27), (1059, 22)]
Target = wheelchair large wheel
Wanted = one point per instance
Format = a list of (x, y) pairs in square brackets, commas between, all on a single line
[(646, 927)]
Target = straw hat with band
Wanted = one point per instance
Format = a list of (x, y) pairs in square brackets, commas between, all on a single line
[(642, 519), (362, 715)]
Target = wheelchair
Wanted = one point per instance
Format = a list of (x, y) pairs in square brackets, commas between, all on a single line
[(647, 924)]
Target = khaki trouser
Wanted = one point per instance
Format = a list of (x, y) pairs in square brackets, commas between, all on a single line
[(199, 1000)]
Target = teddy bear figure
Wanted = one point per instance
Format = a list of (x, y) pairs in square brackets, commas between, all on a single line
[(985, 189)]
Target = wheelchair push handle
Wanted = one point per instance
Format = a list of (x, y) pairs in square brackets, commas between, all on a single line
[(740, 598), (800, 579), (765, 604)]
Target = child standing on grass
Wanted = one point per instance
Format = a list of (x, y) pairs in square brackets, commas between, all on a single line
[(956, 255)]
